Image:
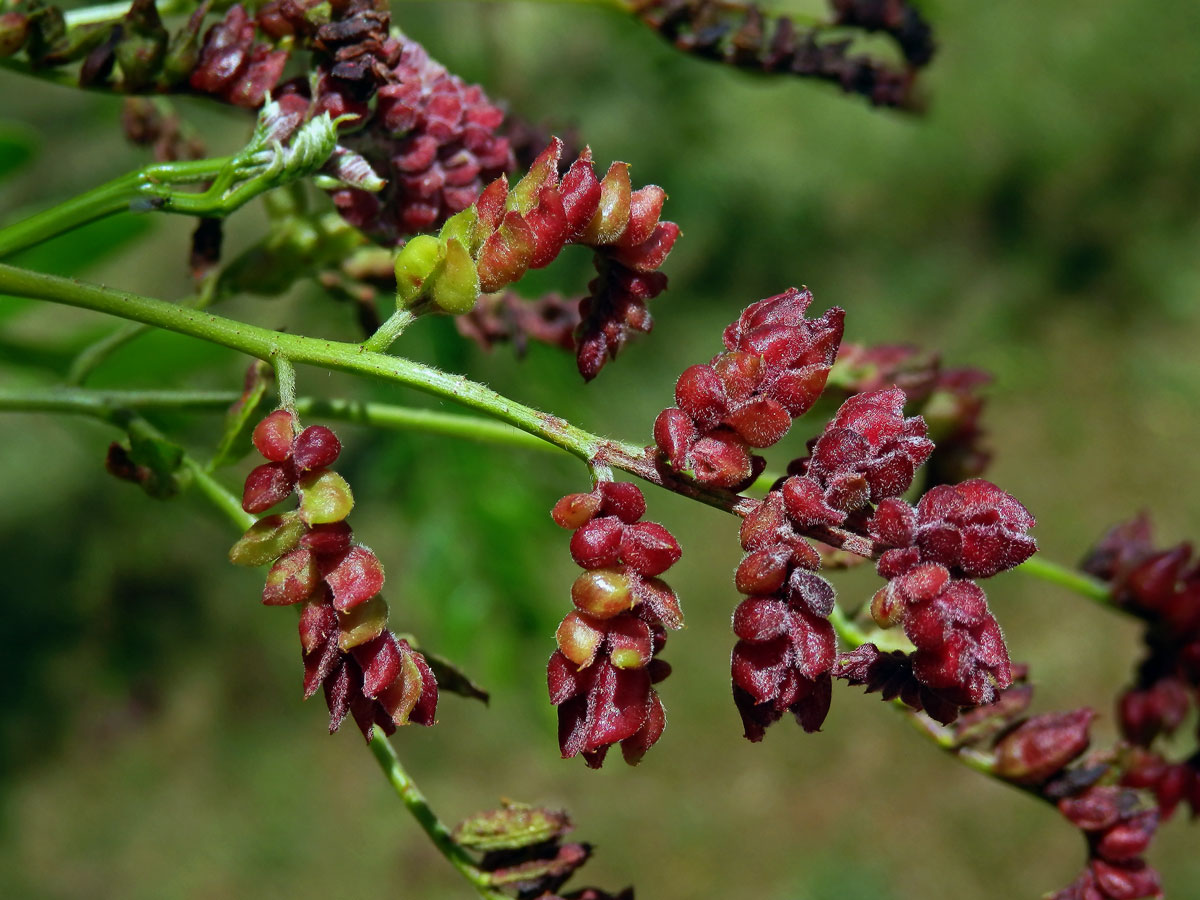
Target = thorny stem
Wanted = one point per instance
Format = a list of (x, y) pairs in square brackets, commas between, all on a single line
[(415, 802)]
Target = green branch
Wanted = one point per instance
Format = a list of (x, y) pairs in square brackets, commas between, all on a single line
[(419, 807), (145, 189), (1081, 583), (262, 165), (269, 345)]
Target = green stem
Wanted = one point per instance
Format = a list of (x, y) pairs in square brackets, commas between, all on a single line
[(268, 345), (419, 807), (218, 494), (1079, 582), (87, 401), (145, 186), (107, 12), (285, 379), (387, 333)]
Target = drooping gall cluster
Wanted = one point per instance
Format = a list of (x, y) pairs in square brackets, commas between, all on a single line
[(507, 232), (601, 676), (773, 369), (786, 646), (746, 36), (1161, 587), (845, 494), (364, 669)]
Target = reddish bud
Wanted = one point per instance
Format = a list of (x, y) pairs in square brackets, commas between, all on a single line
[(363, 623), (292, 579), (623, 500), (328, 539), (579, 637), (506, 254), (273, 436), (603, 593), (674, 434), (580, 189), (316, 447), (267, 485), (596, 544), (574, 510), (763, 571), (629, 643), (354, 577), (267, 540), (612, 215), (324, 498), (1043, 746), (648, 548), (380, 661)]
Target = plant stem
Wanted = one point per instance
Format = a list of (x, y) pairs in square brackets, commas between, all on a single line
[(1079, 582), (87, 401), (285, 378), (144, 186), (416, 804), (267, 345), (106, 12), (387, 333), (217, 493)]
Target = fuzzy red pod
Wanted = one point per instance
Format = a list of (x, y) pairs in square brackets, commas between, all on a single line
[(974, 528), (774, 368), (600, 678)]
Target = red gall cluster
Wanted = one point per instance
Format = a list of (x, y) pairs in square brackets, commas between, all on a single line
[(773, 369), (1161, 587), (868, 453), (233, 64), (786, 645), (429, 135), (844, 493), (509, 231), (955, 533), (948, 399), (601, 676), (364, 669), (544, 213), (1118, 830), (743, 35), (433, 138)]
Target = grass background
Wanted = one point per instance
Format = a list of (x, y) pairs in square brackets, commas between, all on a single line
[(1041, 221)]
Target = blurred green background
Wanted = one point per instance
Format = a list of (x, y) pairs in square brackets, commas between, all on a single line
[(1041, 221)]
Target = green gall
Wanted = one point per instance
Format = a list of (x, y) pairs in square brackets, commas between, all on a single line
[(457, 286), (415, 264), (324, 497)]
